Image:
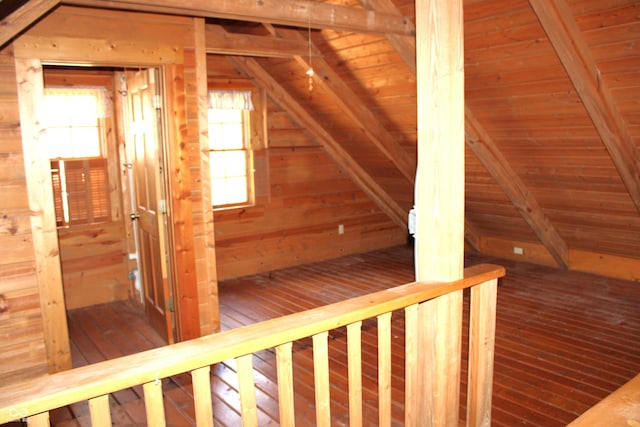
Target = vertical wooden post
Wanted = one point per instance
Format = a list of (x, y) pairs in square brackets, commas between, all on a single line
[(202, 396), (43, 220), (286, 399), (482, 337), (354, 359), (440, 203), (99, 411), (153, 403)]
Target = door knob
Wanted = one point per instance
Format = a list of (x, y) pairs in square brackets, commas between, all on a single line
[(134, 216)]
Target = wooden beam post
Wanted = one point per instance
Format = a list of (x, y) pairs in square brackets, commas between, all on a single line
[(296, 13), (440, 204), (24, 16), (43, 220)]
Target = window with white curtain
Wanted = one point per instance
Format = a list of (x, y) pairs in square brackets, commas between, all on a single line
[(229, 148), (74, 142)]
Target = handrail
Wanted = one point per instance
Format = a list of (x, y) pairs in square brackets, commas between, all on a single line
[(43, 394)]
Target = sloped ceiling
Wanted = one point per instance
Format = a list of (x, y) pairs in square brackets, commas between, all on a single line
[(552, 111)]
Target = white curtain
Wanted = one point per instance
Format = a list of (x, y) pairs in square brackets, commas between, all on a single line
[(230, 100)]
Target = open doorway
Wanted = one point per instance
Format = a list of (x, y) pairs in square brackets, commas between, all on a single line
[(105, 132)]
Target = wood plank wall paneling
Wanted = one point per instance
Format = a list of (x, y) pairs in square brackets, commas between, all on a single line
[(519, 91), (310, 196), (22, 345)]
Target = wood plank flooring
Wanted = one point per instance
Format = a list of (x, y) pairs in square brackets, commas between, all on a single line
[(565, 340)]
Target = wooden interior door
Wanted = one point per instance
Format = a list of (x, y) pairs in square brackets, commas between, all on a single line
[(146, 157)]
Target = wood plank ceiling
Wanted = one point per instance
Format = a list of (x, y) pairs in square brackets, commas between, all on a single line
[(552, 111)]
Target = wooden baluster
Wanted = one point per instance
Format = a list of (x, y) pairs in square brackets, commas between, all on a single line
[(411, 362), (202, 396), (321, 379), (39, 420), (354, 355), (384, 370), (153, 403), (482, 334), (285, 384), (99, 410), (247, 391)]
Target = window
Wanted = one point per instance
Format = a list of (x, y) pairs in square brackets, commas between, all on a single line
[(74, 142), (229, 148)]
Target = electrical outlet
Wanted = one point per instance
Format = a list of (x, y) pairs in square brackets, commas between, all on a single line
[(340, 228), (517, 250)]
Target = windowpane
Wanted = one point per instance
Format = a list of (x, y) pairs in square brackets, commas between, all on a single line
[(236, 190), (229, 156), (217, 164), (235, 163), (85, 110), (218, 192), (85, 142), (55, 142)]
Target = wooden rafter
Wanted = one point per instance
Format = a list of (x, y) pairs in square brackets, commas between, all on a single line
[(567, 40), (342, 95), (220, 41), (335, 150), (484, 148), (24, 16), (492, 159), (300, 13)]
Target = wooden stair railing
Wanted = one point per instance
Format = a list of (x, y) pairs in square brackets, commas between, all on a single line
[(34, 399)]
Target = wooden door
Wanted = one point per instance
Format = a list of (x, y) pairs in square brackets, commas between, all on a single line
[(144, 132)]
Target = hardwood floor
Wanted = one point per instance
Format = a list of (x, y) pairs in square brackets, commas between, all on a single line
[(565, 340)]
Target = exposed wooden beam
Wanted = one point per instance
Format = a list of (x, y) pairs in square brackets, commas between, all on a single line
[(297, 13), (567, 40), (487, 152), (24, 16), (341, 94), (405, 45), (335, 150), (220, 41), (471, 236), (439, 208), (485, 149)]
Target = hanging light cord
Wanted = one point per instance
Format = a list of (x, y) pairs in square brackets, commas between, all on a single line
[(310, 70)]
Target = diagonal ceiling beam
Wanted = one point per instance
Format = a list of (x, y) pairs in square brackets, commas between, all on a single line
[(24, 16), (484, 148), (297, 13), (567, 40), (357, 110), (335, 150), (487, 152)]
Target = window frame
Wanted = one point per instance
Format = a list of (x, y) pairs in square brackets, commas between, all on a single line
[(256, 144)]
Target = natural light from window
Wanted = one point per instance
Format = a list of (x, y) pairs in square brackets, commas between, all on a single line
[(73, 141), (228, 130)]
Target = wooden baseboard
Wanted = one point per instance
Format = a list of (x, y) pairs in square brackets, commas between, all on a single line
[(619, 267)]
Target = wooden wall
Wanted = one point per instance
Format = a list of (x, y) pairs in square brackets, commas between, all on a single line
[(309, 197), (21, 326)]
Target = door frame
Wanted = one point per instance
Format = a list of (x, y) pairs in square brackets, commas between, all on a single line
[(29, 76)]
